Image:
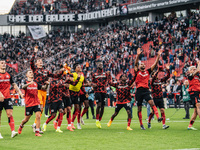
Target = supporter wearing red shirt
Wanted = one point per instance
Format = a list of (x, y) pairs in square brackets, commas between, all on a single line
[(142, 80)]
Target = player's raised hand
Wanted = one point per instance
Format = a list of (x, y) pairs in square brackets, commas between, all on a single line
[(36, 49), (167, 66), (139, 51), (21, 94), (160, 52)]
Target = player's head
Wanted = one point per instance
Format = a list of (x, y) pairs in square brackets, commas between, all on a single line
[(123, 77), (77, 67), (2, 64), (142, 66), (100, 65), (186, 82), (192, 69), (29, 73), (39, 62)]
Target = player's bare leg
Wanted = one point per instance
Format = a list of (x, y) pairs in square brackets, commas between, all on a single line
[(75, 113), (24, 121), (193, 118), (1, 137), (38, 118), (198, 109), (97, 115), (11, 122), (35, 122), (140, 117), (155, 110)]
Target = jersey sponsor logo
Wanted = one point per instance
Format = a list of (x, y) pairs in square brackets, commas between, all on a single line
[(32, 88), (144, 75), (7, 76), (157, 83), (122, 86), (5, 80), (100, 76)]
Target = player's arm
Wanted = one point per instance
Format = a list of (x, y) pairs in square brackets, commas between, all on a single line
[(139, 51), (17, 89), (26, 85), (56, 75), (164, 79), (33, 58), (43, 87), (197, 70), (157, 59), (69, 80), (1, 97)]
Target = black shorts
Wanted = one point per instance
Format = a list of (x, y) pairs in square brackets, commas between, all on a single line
[(100, 97), (66, 101), (142, 94), (55, 106), (127, 106), (6, 104), (159, 102), (82, 98), (194, 96), (29, 110), (75, 99)]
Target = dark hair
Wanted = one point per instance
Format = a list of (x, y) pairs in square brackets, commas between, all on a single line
[(2, 59), (75, 65), (122, 76)]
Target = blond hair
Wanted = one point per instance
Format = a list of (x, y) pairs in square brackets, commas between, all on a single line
[(191, 67)]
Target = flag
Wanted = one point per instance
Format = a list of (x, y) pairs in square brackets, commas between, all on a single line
[(123, 10), (37, 32), (14, 66)]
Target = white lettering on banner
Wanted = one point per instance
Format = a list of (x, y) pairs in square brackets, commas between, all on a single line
[(17, 18), (35, 18)]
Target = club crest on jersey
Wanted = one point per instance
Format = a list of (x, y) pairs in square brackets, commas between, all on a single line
[(7, 76)]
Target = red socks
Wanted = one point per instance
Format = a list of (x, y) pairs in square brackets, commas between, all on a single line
[(11, 123), (84, 111), (79, 115), (97, 116), (150, 117), (49, 119), (129, 122), (163, 116), (100, 118), (155, 110), (140, 117), (60, 119), (191, 123), (69, 120), (74, 115)]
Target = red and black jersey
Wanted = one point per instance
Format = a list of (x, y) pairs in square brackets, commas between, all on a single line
[(31, 94), (123, 91), (5, 83), (82, 91), (142, 78), (100, 78), (56, 89), (65, 92), (194, 83), (41, 75), (156, 85)]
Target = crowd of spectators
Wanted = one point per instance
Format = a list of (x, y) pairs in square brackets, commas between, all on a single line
[(65, 6), (116, 45)]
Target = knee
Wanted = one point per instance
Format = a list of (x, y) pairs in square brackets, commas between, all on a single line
[(9, 114), (53, 114), (38, 116), (61, 111)]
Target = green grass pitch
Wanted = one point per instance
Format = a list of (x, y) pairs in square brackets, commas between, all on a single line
[(112, 138)]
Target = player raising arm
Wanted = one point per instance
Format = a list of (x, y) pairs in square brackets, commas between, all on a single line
[(156, 87), (142, 80), (40, 76), (6, 81), (32, 102), (123, 98)]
